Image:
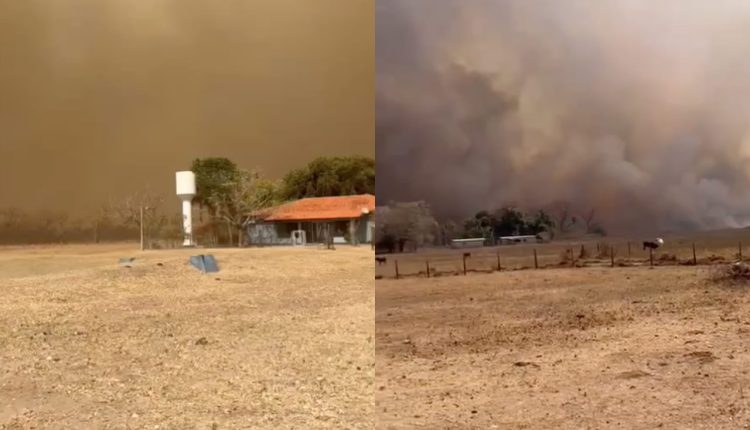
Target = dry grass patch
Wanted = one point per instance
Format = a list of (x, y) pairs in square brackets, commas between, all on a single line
[(563, 348), (280, 338)]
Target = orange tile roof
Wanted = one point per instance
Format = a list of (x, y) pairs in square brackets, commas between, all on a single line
[(320, 208)]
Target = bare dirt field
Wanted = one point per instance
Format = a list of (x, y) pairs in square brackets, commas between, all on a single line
[(587, 348), (279, 338)]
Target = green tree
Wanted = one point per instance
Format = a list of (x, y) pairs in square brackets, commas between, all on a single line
[(331, 176), (509, 221), (211, 177), (236, 198), (540, 222), (480, 225)]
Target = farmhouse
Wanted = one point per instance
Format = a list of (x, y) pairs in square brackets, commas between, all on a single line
[(348, 219)]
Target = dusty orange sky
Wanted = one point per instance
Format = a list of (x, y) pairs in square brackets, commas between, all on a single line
[(99, 99)]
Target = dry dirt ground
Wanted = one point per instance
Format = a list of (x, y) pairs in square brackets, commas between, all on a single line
[(589, 348), (279, 338)]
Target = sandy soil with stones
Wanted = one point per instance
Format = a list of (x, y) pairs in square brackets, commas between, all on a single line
[(629, 348), (280, 338)]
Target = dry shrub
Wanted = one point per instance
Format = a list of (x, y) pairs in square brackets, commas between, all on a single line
[(566, 257), (584, 253), (733, 273), (667, 258), (604, 250), (712, 259)]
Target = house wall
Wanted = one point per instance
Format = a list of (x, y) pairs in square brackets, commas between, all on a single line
[(365, 228), (267, 234), (280, 233)]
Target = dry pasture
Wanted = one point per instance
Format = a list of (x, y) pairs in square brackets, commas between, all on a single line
[(588, 348), (710, 247), (279, 338)]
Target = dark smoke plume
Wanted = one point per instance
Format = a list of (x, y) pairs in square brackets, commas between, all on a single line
[(639, 109)]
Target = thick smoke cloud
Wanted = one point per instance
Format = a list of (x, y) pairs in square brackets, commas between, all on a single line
[(100, 99), (639, 109)]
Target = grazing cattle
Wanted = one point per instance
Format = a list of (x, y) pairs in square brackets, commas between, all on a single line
[(653, 245), (380, 260)]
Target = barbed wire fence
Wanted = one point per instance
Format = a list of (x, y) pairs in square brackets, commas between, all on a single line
[(512, 258)]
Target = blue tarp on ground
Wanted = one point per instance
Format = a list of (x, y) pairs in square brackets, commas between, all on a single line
[(204, 263)]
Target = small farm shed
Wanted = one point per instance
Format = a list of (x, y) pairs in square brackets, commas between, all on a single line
[(468, 243), (349, 219)]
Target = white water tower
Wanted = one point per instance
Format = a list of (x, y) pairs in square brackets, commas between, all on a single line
[(186, 192)]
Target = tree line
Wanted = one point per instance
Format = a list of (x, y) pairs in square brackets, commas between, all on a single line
[(226, 193), (406, 226)]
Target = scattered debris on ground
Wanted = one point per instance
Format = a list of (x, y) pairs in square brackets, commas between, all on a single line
[(702, 357), (671, 258), (738, 272), (87, 343), (622, 338), (127, 261), (633, 374)]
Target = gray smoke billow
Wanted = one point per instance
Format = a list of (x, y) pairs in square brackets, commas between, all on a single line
[(639, 109)]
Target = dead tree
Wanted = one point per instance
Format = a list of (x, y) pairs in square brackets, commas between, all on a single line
[(141, 211), (589, 220), (563, 217)]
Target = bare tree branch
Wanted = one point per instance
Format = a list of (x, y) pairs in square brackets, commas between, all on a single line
[(589, 220), (563, 216), (127, 212)]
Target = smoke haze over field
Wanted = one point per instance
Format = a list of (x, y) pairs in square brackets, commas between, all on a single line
[(103, 98), (637, 108)]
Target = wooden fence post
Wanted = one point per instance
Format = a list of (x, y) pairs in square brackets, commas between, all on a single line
[(651, 256), (536, 262), (427, 263), (695, 259), (499, 268), (396, 263), (572, 257), (464, 264), (140, 223)]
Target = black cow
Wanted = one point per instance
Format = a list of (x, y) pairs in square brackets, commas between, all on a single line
[(653, 245)]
